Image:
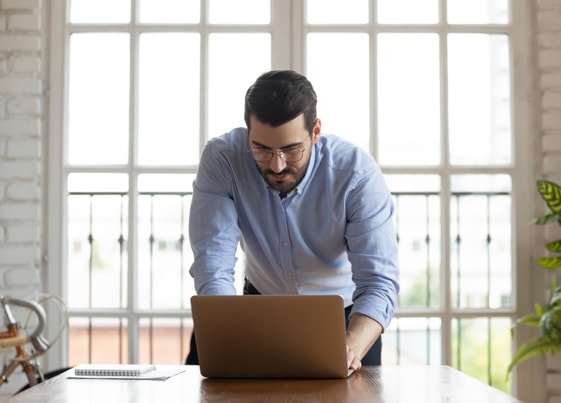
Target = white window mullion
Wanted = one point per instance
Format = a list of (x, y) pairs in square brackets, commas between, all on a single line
[(284, 30), (373, 37), (204, 86), (55, 211), (526, 284), (445, 183), (132, 242), (445, 273)]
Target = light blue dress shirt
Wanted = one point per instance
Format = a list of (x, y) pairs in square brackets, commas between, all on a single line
[(333, 234)]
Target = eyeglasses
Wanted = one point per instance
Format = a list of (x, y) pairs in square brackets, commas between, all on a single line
[(288, 154)]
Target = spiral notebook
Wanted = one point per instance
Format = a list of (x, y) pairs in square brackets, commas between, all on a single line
[(125, 371), (116, 370)]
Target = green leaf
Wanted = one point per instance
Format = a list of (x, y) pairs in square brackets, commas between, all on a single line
[(555, 297), (547, 217), (555, 300), (554, 246), (539, 309), (550, 324), (550, 263), (532, 348), (551, 193), (530, 320)]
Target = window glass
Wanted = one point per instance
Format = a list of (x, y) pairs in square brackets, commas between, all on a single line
[(478, 11), (480, 349), (341, 83), (479, 99), (97, 340), (98, 99), (163, 251), (97, 182), (97, 217), (169, 11), (417, 222), (408, 99), (480, 231), (235, 61), (407, 11), (97, 263), (169, 99), (337, 11), (404, 336), (414, 183), (160, 339), (239, 11), (165, 183), (100, 11), (481, 183)]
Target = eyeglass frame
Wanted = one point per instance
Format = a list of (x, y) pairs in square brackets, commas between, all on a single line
[(278, 151)]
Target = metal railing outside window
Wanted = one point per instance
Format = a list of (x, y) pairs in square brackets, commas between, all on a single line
[(463, 317)]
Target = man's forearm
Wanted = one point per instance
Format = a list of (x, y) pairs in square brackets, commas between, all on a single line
[(362, 333)]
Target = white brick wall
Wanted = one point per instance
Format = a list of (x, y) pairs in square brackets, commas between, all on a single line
[(21, 86)]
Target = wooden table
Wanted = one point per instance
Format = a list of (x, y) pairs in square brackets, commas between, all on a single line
[(389, 384)]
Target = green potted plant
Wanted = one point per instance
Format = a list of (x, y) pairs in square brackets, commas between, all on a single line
[(547, 318)]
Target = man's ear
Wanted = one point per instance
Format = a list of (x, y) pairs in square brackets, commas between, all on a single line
[(316, 131)]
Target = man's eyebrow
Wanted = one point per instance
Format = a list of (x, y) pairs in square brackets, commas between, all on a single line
[(256, 143)]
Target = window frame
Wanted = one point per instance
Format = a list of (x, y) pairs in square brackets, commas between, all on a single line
[(289, 32)]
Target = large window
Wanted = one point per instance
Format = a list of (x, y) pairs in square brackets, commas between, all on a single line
[(425, 86)]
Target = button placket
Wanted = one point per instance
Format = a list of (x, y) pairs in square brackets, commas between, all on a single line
[(286, 253)]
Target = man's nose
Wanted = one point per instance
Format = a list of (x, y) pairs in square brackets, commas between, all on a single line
[(277, 163)]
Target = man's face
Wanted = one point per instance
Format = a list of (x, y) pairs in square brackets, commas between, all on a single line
[(283, 141)]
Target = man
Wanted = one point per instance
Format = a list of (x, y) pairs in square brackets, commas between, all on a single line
[(312, 213)]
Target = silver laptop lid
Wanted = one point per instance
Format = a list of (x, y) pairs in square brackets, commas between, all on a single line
[(266, 336)]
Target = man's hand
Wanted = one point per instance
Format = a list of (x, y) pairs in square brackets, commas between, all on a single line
[(362, 333)]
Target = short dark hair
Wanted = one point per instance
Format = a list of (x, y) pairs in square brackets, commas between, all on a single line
[(279, 96)]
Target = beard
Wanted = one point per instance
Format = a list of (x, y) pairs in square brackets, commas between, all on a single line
[(286, 180)]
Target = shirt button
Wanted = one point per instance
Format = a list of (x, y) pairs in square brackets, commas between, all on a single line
[(289, 275), (285, 244)]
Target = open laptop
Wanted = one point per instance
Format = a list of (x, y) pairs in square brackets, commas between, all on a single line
[(270, 336)]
